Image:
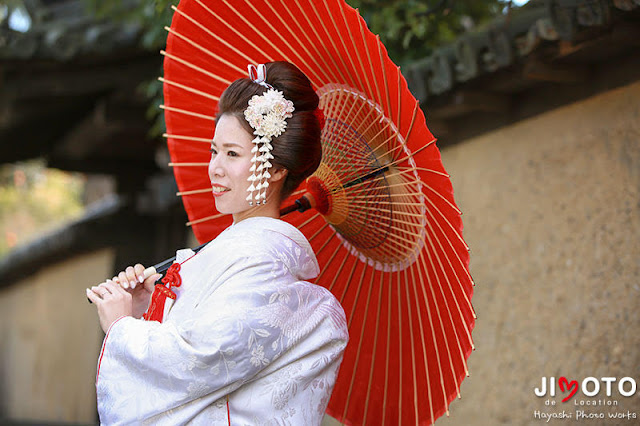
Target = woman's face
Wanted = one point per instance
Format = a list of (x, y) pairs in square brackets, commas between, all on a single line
[(229, 171)]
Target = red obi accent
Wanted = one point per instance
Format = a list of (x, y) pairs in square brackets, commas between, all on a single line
[(172, 277), (161, 292)]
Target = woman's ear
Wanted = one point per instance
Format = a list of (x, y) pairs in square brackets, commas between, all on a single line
[(278, 174)]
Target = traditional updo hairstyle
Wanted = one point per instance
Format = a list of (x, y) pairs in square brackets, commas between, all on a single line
[(298, 149)]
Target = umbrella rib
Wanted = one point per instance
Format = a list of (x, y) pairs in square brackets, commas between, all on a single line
[(393, 185), (388, 358), (357, 54), (187, 138), (194, 191), (335, 277), (189, 89), (433, 295), (188, 164), (460, 314), (322, 228), (384, 77), (348, 281), (416, 107), (205, 219), (203, 49), (349, 53), (443, 198), (187, 112), (424, 346), (344, 260), (331, 56), (401, 194), (398, 161), (212, 34), (302, 30), (401, 347), (424, 169), (340, 56), (195, 67), (277, 33), (363, 207), (461, 264), (299, 43), (324, 245), (364, 41), (375, 345), (266, 39), (306, 222), (433, 268), (382, 176), (235, 31), (413, 350), (456, 232), (364, 323)]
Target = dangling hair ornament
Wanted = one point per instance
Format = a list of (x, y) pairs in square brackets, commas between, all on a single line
[(266, 114)]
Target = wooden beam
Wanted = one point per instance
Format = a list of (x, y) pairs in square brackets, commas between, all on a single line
[(535, 69), (466, 101)]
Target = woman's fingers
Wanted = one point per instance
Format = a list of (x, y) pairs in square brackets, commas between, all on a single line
[(150, 283), (93, 296), (113, 289), (139, 272)]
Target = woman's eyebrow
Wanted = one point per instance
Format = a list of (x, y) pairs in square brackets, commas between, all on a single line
[(227, 144)]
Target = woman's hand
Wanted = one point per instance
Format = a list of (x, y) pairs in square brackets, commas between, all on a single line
[(127, 294), (112, 302), (132, 279)]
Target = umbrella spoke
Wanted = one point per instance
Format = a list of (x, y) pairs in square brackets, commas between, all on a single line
[(362, 330), (349, 55), (194, 191), (189, 89), (236, 32), (217, 38), (375, 345), (206, 219), (188, 165), (195, 67), (203, 49), (264, 38), (187, 138), (187, 112), (412, 340)]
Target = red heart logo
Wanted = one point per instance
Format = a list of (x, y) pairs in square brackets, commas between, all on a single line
[(570, 386)]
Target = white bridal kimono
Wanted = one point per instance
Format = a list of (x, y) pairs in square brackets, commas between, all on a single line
[(247, 341)]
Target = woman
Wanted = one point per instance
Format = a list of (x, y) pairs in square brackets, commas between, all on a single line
[(247, 340)]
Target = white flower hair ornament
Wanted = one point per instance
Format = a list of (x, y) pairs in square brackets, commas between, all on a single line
[(266, 114)]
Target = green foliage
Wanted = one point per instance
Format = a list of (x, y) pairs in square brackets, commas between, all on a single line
[(34, 199), (410, 29)]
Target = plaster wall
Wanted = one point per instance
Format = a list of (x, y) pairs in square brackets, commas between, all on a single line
[(49, 343), (552, 215)]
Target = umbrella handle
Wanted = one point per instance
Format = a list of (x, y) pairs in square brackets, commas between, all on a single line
[(302, 204), (146, 274)]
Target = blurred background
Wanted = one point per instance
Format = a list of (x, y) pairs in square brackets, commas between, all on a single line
[(536, 109)]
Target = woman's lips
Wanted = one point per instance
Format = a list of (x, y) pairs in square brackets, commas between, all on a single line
[(219, 190)]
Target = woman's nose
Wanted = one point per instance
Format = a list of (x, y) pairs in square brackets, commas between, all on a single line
[(215, 166)]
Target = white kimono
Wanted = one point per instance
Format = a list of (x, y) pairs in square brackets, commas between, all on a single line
[(247, 341)]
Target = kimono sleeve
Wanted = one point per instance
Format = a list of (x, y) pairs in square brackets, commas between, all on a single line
[(149, 368)]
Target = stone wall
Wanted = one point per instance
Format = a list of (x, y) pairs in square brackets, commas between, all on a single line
[(49, 343), (552, 215)]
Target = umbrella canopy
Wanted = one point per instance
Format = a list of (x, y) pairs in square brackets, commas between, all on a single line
[(385, 227)]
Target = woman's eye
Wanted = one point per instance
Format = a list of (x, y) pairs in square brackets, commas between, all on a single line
[(213, 151), (232, 154)]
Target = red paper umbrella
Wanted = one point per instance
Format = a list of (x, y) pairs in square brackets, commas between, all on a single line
[(385, 227)]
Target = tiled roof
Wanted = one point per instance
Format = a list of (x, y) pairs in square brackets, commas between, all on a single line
[(544, 42)]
